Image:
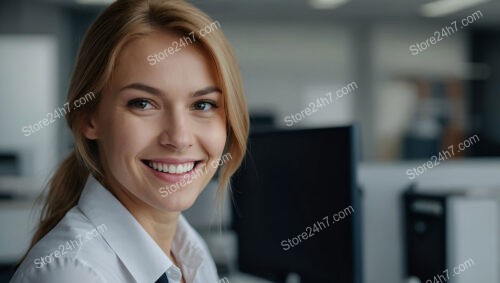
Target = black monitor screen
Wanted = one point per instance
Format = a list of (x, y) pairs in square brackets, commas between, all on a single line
[(295, 208)]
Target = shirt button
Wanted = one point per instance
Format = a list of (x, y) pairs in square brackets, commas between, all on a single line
[(174, 273)]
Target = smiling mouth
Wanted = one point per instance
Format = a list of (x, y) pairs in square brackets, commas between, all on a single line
[(181, 168)]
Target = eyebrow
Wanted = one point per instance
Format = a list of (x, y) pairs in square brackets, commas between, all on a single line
[(155, 91)]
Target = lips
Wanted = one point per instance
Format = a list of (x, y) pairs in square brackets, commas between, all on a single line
[(171, 167)]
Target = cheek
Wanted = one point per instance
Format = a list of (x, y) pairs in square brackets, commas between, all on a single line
[(213, 138), (124, 138)]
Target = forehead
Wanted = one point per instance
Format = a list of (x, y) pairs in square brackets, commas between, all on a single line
[(189, 64)]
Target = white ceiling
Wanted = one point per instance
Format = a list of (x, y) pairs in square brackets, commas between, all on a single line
[(354, 11)]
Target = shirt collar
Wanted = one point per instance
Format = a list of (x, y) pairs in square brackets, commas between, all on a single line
[(188, 249), (140, 254)]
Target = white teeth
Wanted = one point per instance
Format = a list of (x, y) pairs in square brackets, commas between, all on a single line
[(180, 169), (171, 168)]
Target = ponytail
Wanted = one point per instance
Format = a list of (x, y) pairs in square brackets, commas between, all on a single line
[(65, 189)]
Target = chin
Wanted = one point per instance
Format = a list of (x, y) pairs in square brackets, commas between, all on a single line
[(178, 201)]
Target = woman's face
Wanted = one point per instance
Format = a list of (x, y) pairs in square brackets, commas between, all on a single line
[(160, 127)]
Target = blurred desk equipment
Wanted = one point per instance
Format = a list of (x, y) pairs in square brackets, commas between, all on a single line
[(297, 206), (452, 236)]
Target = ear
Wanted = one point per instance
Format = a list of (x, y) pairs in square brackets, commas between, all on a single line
[(89, 127)]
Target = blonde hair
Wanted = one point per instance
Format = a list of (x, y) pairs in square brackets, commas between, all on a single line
[(121, 22)]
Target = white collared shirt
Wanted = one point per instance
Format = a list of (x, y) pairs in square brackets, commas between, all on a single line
[(100, 241)]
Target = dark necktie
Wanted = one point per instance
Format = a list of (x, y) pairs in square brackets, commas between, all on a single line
[(162, 279)]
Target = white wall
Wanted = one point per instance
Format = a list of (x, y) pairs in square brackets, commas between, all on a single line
[(287, 66), (28, 87)]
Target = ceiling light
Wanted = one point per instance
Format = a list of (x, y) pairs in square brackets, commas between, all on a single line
[(445, 7), (94, 2), (326, 4)]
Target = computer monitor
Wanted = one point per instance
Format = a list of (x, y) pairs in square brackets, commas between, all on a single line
[(296, 206)]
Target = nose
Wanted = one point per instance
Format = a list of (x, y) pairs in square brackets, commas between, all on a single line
[(177, 133)]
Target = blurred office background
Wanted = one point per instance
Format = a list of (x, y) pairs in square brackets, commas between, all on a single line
[(409, 106)]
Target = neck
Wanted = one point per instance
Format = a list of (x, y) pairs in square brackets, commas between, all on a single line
[(160, 225)]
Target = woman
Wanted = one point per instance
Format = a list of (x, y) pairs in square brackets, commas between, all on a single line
[(150, 127)]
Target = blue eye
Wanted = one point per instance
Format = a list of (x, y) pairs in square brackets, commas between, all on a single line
[(140, 103), (204, 105)]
